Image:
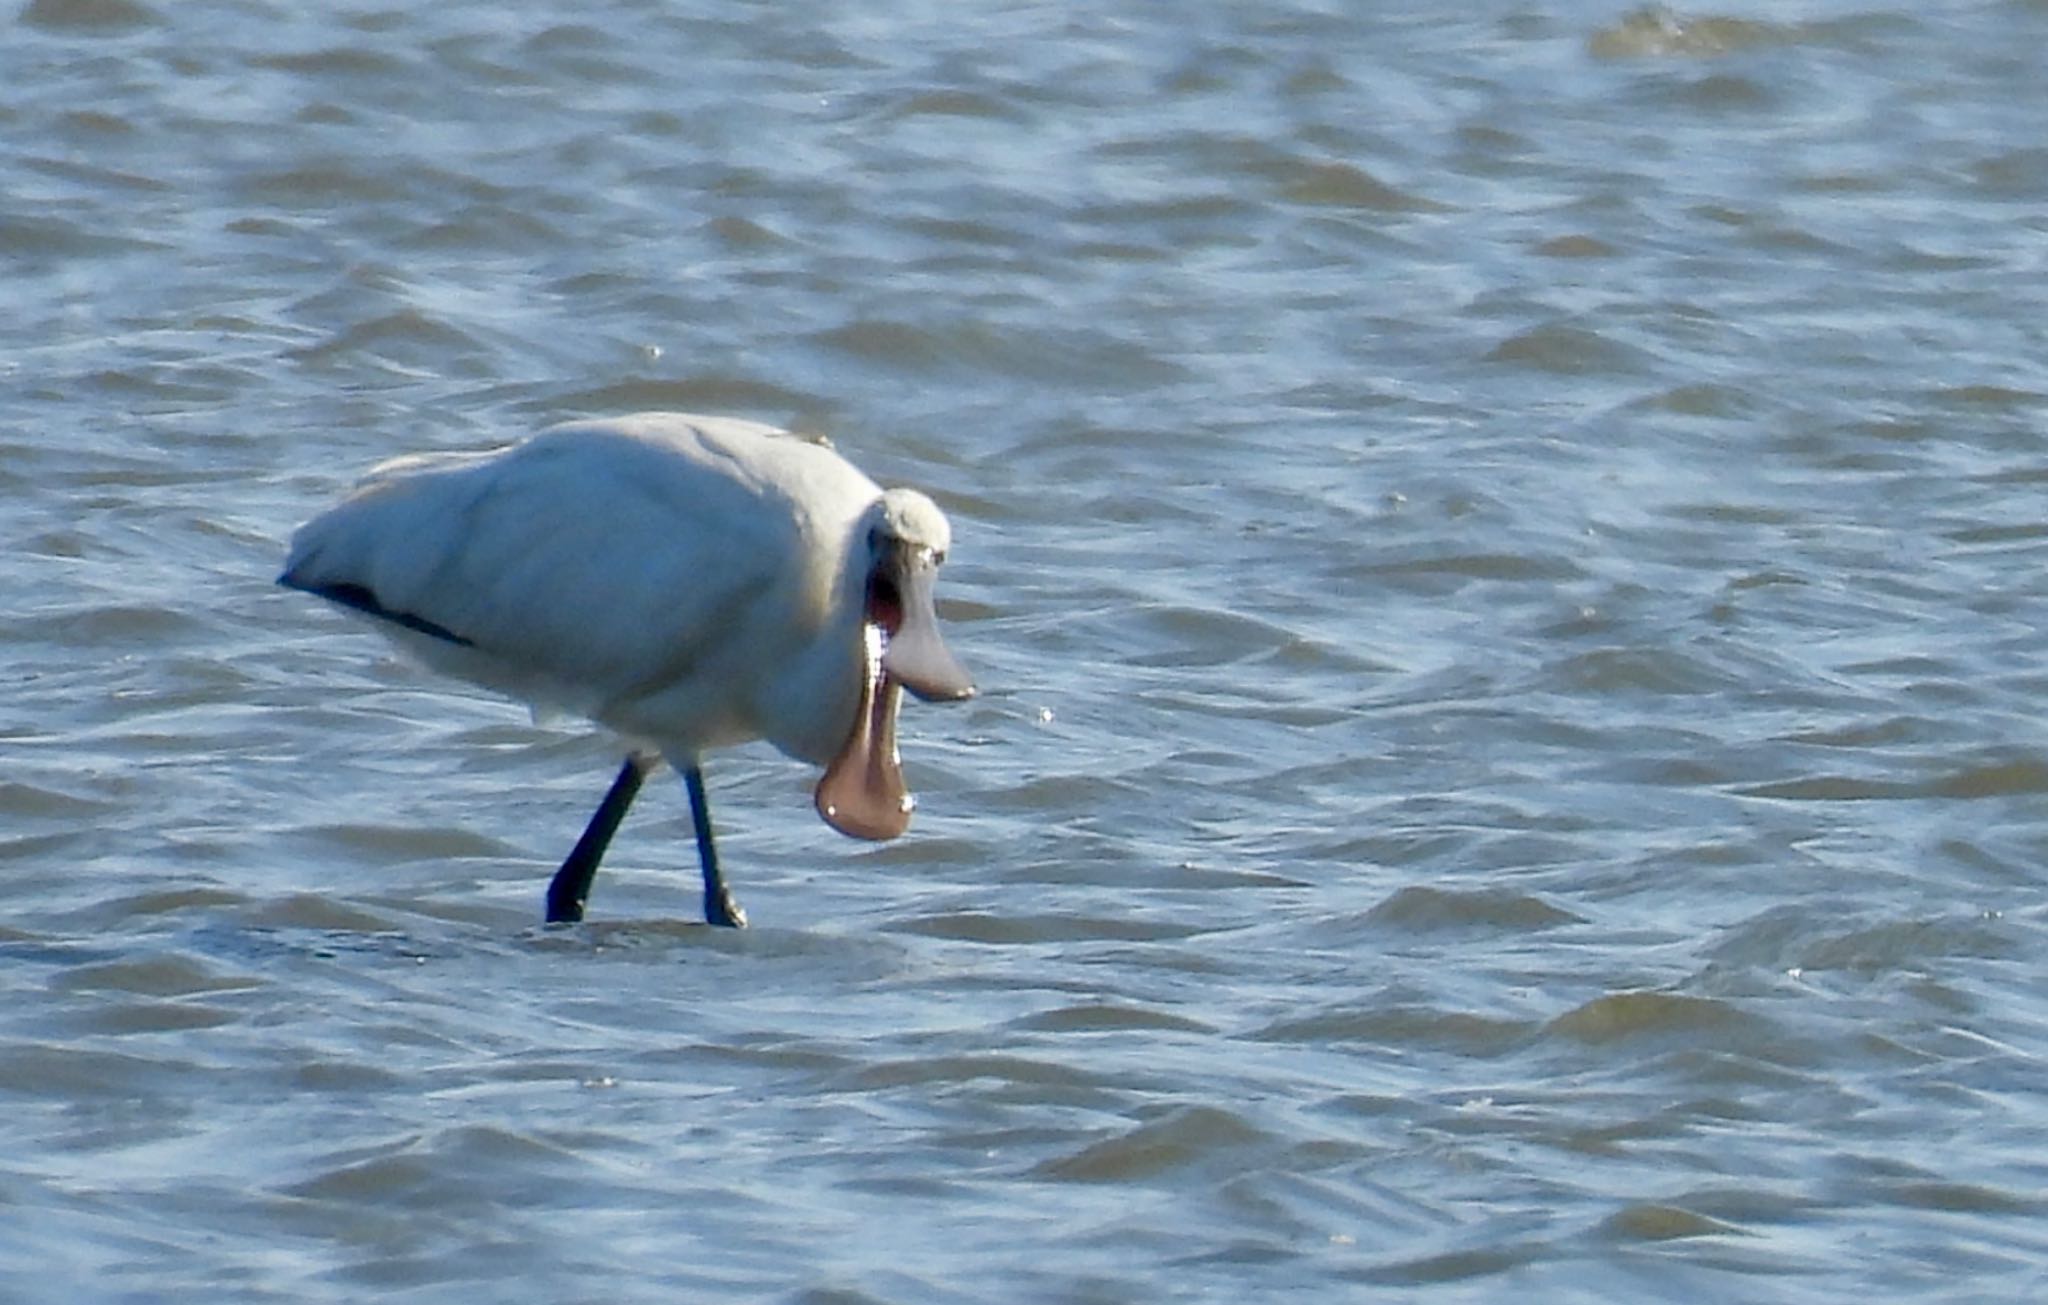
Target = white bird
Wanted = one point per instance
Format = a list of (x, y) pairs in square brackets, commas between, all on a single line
[(686, 582)]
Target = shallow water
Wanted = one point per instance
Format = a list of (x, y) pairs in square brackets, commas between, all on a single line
[(1502, 551)]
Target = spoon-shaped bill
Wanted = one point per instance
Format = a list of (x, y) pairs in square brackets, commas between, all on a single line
[(917, 656)]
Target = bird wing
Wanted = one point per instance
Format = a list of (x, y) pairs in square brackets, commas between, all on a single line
[(592, 562)]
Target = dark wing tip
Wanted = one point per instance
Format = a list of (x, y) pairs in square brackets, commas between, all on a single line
[(360, 598)]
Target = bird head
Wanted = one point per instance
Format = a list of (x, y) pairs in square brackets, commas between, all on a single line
[(905, 541)]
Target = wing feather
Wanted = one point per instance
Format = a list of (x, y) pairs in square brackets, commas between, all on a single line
[(597, 560)]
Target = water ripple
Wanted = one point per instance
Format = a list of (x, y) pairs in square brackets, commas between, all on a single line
[(1500, 545)]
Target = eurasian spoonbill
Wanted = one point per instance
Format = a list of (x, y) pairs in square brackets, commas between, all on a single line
[(686, 582)]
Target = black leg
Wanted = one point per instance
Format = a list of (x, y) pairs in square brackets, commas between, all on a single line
[(719, 906), (571, 886)]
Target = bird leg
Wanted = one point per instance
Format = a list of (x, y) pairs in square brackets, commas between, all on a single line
[(571, 885), (719, 906)]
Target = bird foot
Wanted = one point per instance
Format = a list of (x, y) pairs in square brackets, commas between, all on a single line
[(720, 909)]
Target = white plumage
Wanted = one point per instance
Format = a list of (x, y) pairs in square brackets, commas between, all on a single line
[(687, 582)]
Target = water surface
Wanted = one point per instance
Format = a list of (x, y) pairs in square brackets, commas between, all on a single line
[(1502, 547)]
